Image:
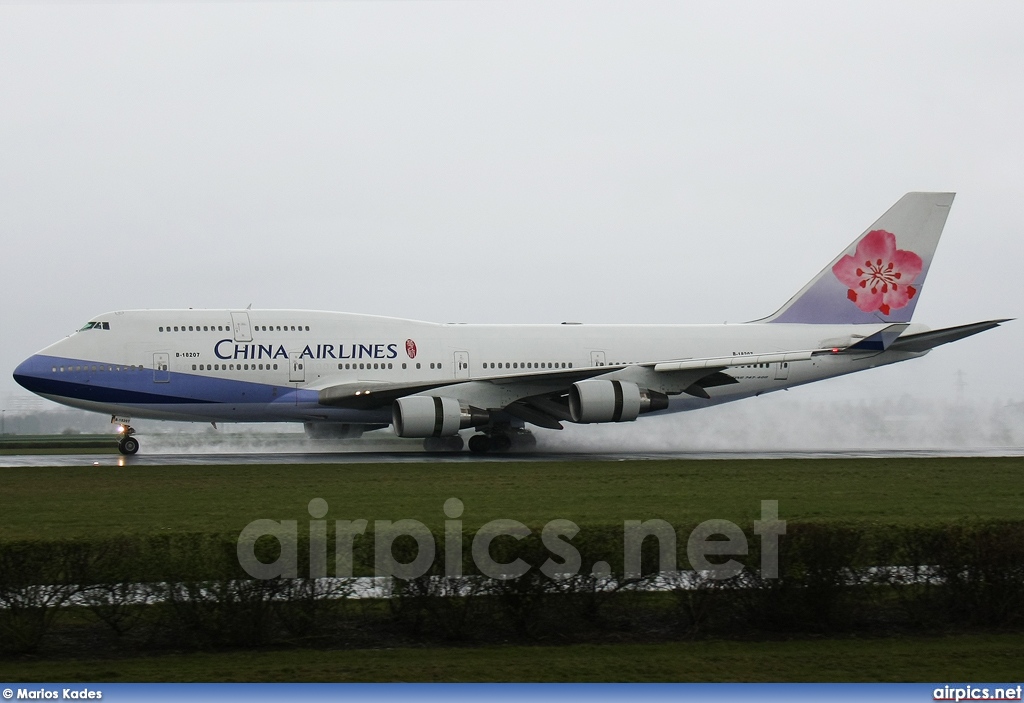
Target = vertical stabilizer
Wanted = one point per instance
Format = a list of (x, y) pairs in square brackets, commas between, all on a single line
[(879, 277)]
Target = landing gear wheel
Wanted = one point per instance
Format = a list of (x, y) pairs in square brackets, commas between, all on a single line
[(454, 443), (501, 443), (128, 445), (484, 443), (523, 440), (479, 444)]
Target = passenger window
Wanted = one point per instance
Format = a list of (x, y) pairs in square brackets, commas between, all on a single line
[(161, 329), (404, 365), (193, 367)]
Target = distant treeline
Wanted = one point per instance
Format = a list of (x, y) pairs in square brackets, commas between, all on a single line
[(187, 591)]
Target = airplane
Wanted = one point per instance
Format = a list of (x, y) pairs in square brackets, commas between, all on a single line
[(342, 374)]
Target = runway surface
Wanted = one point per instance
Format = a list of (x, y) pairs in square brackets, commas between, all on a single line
[(214, 458)]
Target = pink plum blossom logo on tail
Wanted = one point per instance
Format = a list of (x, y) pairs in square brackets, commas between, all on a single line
[(878, 274)]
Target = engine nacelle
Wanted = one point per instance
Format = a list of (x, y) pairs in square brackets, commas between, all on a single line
[(432, 416), (612, 401)]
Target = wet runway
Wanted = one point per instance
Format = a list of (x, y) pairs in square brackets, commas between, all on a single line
[(363, 456)]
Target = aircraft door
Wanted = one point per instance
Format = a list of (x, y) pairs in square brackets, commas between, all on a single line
[(161, 367), (240, 326), (296, 369), (461, 364), (782, 371), (597, 358)]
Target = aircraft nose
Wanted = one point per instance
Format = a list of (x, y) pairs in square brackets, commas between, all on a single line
[(29, 373)]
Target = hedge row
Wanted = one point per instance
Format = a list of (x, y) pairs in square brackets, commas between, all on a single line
[(189, 591)]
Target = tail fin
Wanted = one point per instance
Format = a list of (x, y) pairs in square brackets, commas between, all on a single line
[(878, 278)]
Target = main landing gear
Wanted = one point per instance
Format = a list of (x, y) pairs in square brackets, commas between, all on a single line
[(127, 445), (490, 440), (502, 440)]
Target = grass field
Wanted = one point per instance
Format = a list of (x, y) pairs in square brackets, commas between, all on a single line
[(59, 444), (974, 657), (61, 502), (49, 503)]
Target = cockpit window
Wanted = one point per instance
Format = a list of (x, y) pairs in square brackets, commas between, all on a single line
[(95, 326)]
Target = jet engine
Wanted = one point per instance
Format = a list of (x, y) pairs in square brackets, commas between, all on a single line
[(612, 401), (430, 416)]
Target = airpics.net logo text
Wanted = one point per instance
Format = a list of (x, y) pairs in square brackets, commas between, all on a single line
[(711, 538)]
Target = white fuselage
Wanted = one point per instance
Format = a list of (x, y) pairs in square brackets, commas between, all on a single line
[(269, 365)]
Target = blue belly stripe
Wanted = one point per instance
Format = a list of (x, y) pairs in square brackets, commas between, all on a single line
[(136, 386)]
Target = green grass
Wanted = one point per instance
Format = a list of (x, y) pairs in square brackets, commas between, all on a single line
[(62, 502), (975, 657), (59, 444)]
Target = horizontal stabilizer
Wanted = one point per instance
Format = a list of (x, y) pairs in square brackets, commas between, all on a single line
[(880, 340), (929, 340)]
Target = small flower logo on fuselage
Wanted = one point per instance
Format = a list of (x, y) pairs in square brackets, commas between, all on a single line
[(879, 275), (410, 348)]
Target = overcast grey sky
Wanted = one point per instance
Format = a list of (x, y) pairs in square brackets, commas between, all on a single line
[(506, 162)]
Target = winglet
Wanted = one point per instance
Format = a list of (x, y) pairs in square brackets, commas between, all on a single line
[(879, 277)]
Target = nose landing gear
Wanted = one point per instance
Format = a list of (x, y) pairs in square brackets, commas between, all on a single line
[(127, 445)]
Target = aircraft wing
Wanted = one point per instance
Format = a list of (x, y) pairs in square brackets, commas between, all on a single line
[(378, 394), (540, 396)]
